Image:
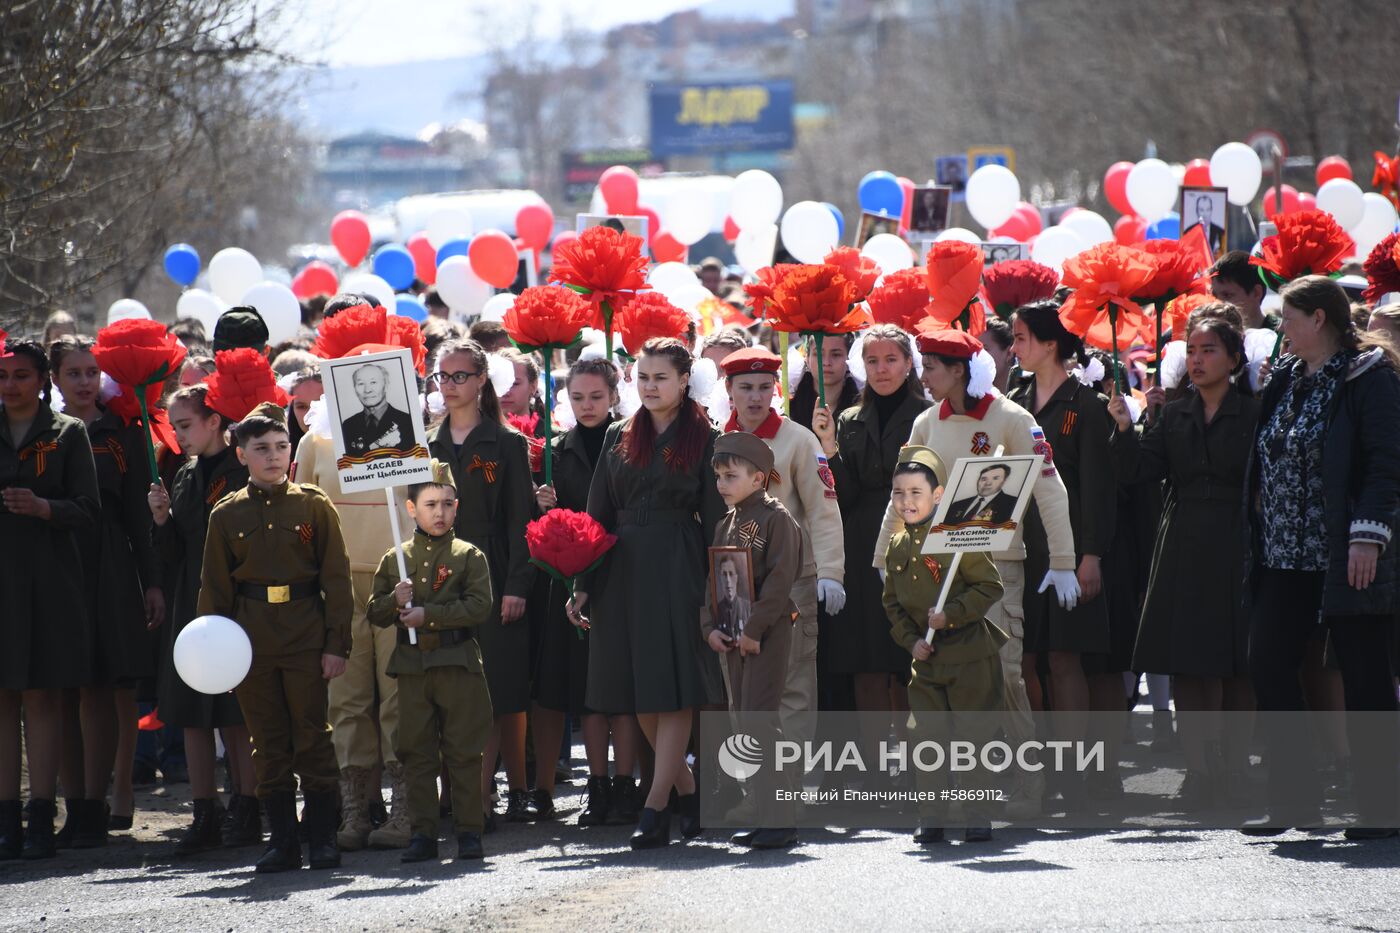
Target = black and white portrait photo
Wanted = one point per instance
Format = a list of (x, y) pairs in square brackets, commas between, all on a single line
[(731, 581), (1206, 208), (929, 215), (983, 503), (376, 419), (993, 253)]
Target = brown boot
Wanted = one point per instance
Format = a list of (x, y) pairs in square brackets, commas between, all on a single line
[(354, 813), (395, 833)]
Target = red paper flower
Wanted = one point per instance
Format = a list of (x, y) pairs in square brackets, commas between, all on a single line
[(811, 299), (1175, 314), (405, 332), (137, 352), (954, 277), (1104, 279), (365, 329), (760, 293), (902, 299), (566, 544), (1383, 269), (1308, 243), (1386, 178), (242, 380), (527, 425), (3, 337), (647, 315), (860, 271), (1178, 268), (546, 316), (601, 262), (1009, 285)]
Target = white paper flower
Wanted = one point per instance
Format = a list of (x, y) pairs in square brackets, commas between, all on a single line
[(501, 371), (318, 419), (1173, 365), (435, 403), (704, 374), (797, 365), (564, 410)]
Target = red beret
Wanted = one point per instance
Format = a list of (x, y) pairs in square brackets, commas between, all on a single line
[(751, 360), (947, 341)]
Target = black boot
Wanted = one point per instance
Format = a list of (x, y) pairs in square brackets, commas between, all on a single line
[(38, 838), (421, 848), (595, 812), (92, 825), (203, 834), (653, 829), (72, 816), (541, 804), (622, 801), (11, 831), (322, 849), (688, 810), (469, 847), (283, 849), (518, 806), (243, 824)]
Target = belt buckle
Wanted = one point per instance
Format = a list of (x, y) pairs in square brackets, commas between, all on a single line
[(279, 594)]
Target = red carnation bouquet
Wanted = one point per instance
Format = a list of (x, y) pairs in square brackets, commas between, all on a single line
[(605, 265), (816, 301), (954, 278), (1009, 285), (567, 544), (1308, 243), (527, 425), (242, 380), (139, 356), (1382, 269), (902, 299), (861, 271), (647, 315), (365, 329), (760, 292), (1102, 310)]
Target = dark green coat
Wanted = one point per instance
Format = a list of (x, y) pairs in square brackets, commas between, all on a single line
[(44, 624)]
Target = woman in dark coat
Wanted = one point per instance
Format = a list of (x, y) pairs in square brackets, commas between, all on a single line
[(181, 520), (862, 447), (1195, 623), (48, 501), (491, 466), (1323, 491), (654, 487)]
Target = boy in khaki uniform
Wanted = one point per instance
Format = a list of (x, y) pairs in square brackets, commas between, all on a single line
[(960, 671), (444, 705), (275, 562)]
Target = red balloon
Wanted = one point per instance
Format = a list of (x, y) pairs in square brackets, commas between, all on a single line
[(350, 236), (653, 222), (1332, 167), (1307, 201), (666, 248), (731, 230), (1197, 174), (315, 278), (564, 236), (619, 187), (908, 187), (534, 223), (424, 258), (1115, 186), (1015, 227), (493, 258), (1032, 215), (1290, 201), (1129, 229)]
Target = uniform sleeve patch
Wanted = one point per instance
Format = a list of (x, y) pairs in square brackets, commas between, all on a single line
[(1042, 447), (827, 478)]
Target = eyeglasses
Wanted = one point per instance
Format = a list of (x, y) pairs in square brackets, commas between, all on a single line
[(457, 378)]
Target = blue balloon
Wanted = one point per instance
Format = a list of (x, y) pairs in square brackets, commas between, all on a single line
[(410, 306), (182, 263), (840, 219), (1168, 228), (880, 193), (394, 264), (453, 248)]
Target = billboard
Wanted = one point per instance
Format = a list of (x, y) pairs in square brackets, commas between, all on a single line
[(583, 169), (703, 117)]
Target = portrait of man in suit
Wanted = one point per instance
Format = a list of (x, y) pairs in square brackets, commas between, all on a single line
[(1205, 207), (378, 424), (991, 503)]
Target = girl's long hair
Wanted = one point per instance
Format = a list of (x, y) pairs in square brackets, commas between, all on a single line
[(693, 425)]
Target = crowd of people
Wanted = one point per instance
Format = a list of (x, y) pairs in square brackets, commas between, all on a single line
[(1227, 534)]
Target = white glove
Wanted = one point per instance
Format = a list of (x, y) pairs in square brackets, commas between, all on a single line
[(1066, 586), (833, 595)]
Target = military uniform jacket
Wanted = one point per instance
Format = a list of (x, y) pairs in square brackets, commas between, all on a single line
[(912, 583), (280, 537), (776, 549), (452, 583)]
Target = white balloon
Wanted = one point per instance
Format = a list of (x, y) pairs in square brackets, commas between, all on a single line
[(1377, 223), (1237, 167), (889, 252), (809, 231), (669, 277), (756, 200), (496, 306), (687, 215), (232, 272), (367, 283), (1055, 245), (278, 307), (446, 224), (212, 654), (1342, 198), (126, 308), (1151, 190), (1089, 226), (202, 306), (689, 298), (993, 191), (754, 247), (460, 287), (957, 233)]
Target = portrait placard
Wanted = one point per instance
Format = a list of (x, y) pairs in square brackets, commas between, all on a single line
[(731, 588), (1209, 209), (376, 420), (995, 252), (983, 503), (929, 215)]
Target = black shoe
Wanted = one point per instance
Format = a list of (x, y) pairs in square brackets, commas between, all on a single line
[(38, 838), (743, 837), (653, 829), (1367, 833), (541, 804), (1104, 785), (283, 850), (518, 806), (595, 812), (469, 847), (773, 839), (92, 825), (243, 824), (488, 820), (1197, 791), (420, 849), (72, 816), (204, 833), (142, 775), (688, 812), (977, 834), (176, 773), (622, 802), (11, 830), (322, 850), (118, 824), (928, 835)]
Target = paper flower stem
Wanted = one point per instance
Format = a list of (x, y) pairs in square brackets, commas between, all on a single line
[(146, 423), (1113, 326), (783, 350), (607, 326), (819, 375), (548, 352)]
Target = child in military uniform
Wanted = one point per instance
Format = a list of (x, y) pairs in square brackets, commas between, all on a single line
[(757, 653), (960, 670), (275, 561), (444, 704)]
